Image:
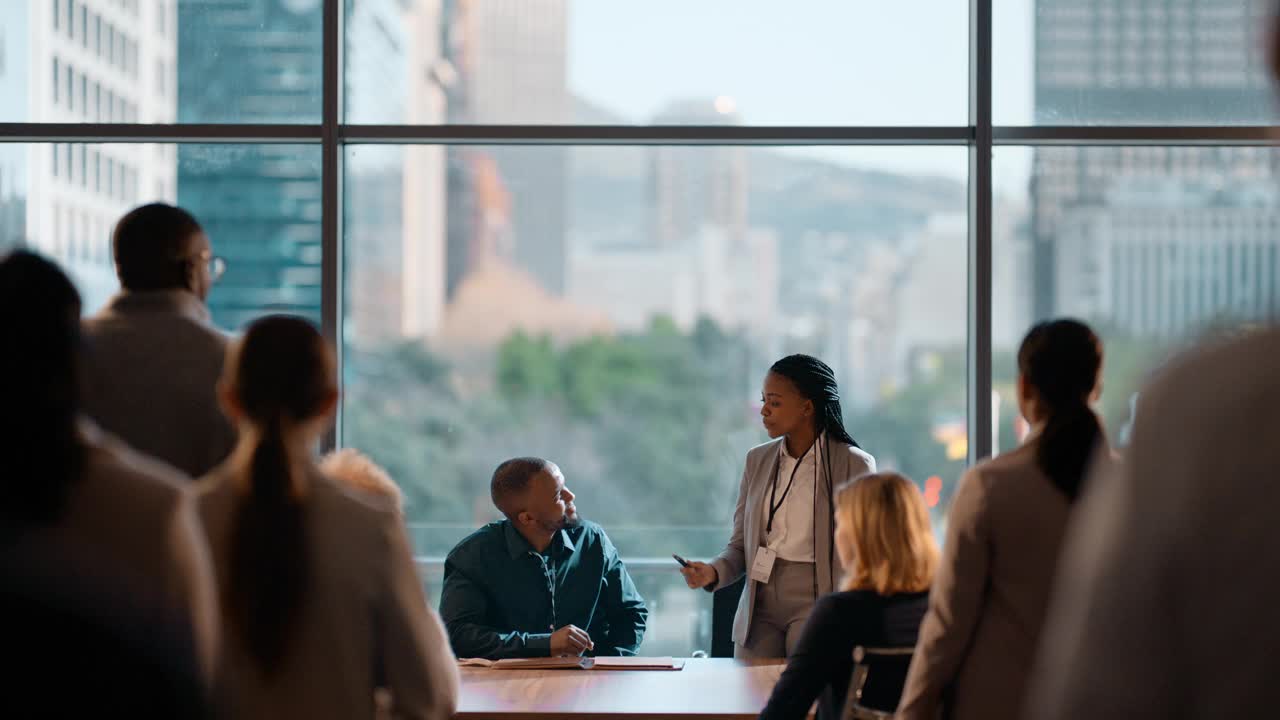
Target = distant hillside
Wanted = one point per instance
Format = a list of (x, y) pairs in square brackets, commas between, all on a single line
[(789, 192), (611, 198)]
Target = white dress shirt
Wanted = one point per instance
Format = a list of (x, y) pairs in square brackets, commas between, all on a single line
[(792, 535)]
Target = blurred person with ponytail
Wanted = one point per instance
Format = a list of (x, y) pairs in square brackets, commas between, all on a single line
[(321, 602), (1005, 529), (784, 522)]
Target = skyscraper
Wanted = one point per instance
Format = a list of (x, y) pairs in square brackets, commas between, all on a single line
[(260, 61), (254, 61), (1166, 257), (84, 61), (510, 58), (423, 250), (394, 222), (697, 187), (1140, 62)]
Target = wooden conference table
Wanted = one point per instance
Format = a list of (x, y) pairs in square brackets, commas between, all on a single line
[(706, 689)]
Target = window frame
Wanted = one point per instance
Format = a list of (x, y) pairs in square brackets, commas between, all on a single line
[(980, 136)]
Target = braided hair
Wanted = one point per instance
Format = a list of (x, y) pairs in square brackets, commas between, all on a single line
[(816, 382)]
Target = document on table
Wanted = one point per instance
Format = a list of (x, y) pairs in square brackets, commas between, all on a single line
[(546, 663), (576, 663), (638, 663)]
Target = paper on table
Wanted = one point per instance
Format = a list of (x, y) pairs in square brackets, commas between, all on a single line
[(638, 663), (576, 663), (547, 663)]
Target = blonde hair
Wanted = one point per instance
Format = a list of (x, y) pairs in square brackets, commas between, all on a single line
[(358, 471), (893, 546)]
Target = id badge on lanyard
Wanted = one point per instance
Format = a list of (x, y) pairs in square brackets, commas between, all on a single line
[(762, 566)]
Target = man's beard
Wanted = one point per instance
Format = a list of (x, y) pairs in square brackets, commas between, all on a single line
[(565, 521)]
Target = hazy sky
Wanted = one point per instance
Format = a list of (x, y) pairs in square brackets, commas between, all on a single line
[(838, 62)]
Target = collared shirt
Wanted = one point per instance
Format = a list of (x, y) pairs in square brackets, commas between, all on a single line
[(792, 535), (502, 598), (150, 372)]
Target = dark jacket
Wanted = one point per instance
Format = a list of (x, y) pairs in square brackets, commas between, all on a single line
[(822, 662)]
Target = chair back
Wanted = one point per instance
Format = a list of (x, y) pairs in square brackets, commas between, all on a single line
[(879, 674), (724, 606)]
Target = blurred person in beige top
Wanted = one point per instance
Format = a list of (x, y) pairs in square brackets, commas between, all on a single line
[(321, 602), (153, 357), (1005, 528), (1170, 573), (75, 504)]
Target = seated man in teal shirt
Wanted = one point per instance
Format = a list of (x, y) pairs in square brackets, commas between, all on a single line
[(542, 582)]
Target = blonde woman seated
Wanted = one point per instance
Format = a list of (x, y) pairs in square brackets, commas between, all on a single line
[(882, 535)]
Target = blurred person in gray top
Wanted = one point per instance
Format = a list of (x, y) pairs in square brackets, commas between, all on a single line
[(153, 356), (1170, 572)]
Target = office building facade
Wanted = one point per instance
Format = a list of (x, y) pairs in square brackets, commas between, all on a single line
[(1143, 62), (84, 61)]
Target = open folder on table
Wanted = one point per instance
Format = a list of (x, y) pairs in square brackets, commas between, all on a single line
[(576, 663)]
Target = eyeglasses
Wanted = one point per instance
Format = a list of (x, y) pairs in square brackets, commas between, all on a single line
[(216, 266)]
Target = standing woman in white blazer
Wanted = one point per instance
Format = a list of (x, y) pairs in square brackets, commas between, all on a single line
[(783, 526)]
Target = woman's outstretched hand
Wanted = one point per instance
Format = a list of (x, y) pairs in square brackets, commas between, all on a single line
[(699, 575)]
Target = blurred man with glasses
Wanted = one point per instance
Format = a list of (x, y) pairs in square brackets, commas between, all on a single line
[(153, 355)]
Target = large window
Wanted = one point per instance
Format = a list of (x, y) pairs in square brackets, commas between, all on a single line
[(1156, 247), (616, 309), (584, 230)]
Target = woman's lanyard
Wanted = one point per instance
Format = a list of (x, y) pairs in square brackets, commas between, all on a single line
[(773, 508)]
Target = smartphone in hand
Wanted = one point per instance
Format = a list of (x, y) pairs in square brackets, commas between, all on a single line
[(682, 561)]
